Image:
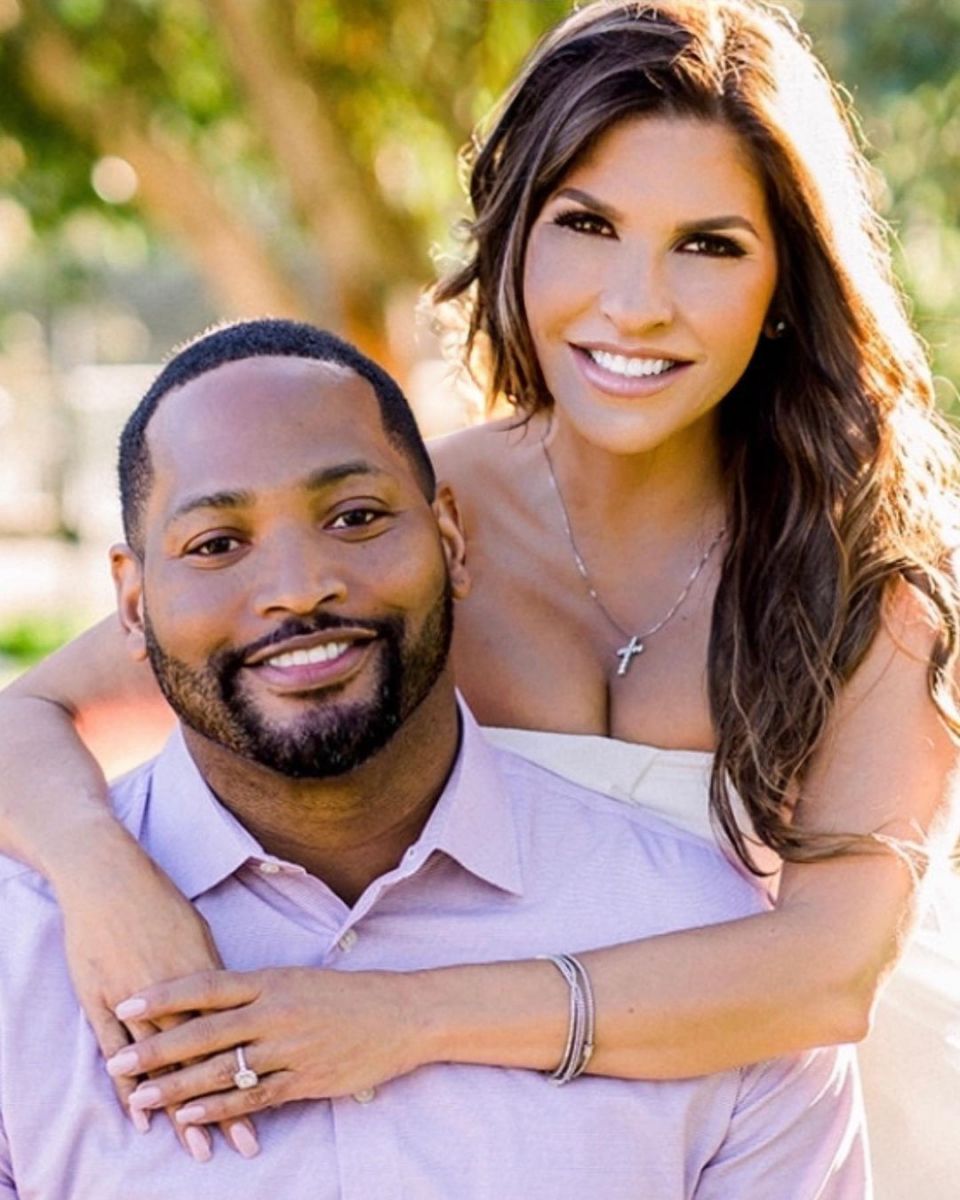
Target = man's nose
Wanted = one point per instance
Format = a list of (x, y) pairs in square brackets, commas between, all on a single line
[(637, 294), (298, 575)]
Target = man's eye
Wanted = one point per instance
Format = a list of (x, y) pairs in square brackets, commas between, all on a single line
[(355, 518), (581, 221), (712, 246), (213, 547)]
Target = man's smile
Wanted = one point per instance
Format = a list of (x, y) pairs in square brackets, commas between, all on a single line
[(313, 661)]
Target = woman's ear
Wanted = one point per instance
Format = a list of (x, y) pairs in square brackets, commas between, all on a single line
[(127, 571), (454, 543)]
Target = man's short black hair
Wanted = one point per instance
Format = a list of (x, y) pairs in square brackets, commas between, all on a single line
[(252, 339)]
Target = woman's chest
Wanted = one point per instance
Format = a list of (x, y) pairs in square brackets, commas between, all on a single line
[(533, 651)]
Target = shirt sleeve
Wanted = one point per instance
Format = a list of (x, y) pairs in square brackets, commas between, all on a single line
[(797, 1133)]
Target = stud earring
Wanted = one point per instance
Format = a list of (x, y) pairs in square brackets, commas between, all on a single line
[(775, 329)]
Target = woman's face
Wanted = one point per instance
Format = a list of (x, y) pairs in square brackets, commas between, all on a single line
[(648, 277)]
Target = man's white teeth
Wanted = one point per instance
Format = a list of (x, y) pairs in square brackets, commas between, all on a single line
[(620, 364), (306, 658)]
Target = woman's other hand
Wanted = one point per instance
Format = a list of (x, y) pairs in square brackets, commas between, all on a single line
[(308, 1033)]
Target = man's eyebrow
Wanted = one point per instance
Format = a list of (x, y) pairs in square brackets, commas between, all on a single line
[(704, 225), (224, 499), (316, 481), (327, 476)]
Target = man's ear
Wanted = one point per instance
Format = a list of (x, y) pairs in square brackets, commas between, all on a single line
[(127, 571), (454, 543)]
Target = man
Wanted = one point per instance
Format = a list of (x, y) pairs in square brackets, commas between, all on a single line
[(290, 570)]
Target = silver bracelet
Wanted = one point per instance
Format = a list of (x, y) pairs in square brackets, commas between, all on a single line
[(580, 1030)]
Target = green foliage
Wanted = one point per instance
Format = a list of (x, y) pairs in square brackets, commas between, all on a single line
[(898, 59), (29, 640)]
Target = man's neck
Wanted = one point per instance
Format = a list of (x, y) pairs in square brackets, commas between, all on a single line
[(350, 829)]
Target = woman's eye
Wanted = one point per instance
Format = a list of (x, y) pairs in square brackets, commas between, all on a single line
[(355, 518), (713, 246), (213, 547), (584, 222)]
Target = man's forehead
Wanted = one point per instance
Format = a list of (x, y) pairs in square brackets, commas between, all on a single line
[(265, 418), (256, 386)]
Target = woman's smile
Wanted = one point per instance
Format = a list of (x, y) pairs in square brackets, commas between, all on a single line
[(623, 374)]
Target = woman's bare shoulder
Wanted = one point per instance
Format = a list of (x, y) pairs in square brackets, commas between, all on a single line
[(481, 457)]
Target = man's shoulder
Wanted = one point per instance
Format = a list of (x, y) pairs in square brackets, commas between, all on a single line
[(577, 821), (539, 786)]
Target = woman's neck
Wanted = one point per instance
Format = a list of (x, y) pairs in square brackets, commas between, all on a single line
[(674, 491)]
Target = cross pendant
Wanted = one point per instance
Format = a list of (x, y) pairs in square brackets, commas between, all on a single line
[(626, 654)]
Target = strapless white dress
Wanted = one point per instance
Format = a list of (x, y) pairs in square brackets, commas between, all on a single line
[(911, 1061)]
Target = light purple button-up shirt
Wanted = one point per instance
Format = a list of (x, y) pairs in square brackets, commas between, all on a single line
[(514, 861)]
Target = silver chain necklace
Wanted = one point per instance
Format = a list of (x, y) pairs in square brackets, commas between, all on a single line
[(635, 642)]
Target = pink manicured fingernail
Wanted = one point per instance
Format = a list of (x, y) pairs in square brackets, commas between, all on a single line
[(140, 1119), (244, 1141), (135, 1007), (124, 1063), (198, 1143), (148, 1095), (191, 1114)]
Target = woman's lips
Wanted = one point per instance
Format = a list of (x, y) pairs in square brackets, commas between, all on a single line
[(618, 384)]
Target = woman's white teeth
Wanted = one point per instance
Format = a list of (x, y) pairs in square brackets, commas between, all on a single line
[(306, 658), (620, 364)]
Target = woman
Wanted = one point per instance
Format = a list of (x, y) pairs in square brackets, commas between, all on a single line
[(710, 561)]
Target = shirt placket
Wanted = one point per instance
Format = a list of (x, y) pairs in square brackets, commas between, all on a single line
[(368, 1149)]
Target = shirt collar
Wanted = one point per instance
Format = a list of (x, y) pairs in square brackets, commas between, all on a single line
[(186, 829), (474, 821), (199, 843)]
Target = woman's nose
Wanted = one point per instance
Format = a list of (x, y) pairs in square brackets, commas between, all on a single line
[(637, 295)]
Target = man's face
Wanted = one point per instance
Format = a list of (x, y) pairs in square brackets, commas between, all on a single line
[(296, 597)]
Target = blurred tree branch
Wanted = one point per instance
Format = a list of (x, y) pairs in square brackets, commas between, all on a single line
[(175, 191), (360, 240)]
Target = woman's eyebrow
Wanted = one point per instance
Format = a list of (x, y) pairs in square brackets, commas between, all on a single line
[(588, 201), (709, 224)]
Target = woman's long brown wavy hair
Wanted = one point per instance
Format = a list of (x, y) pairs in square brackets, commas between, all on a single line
[(842, 478)]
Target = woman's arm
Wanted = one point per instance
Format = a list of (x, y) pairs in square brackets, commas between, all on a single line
[(125, 923), (52, 781), (683, 1004), (803, 975)]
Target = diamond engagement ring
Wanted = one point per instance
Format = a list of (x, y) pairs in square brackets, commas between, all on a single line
[(243, 1076)]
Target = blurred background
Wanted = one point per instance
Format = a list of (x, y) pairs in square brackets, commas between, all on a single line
[(167, 163)]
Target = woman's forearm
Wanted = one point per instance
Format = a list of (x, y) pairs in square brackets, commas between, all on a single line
[(668, 1007), (51, 784), (86, 708), (671, 1007)]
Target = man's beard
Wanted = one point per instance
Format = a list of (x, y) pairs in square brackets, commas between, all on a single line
[(327, 739)]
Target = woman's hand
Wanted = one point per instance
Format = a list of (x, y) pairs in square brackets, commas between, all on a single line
[(126, 926), (308, 1033)]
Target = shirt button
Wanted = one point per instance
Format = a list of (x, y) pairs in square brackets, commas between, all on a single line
[(349, 940), (269, 868), (365, 1095)]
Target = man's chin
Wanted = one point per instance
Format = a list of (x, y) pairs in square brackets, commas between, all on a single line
[(321, 744)]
